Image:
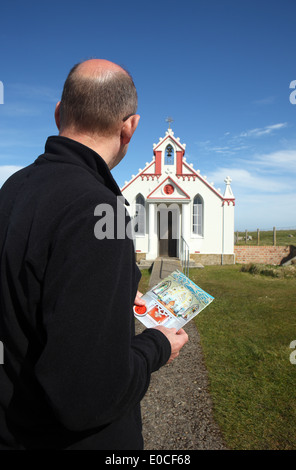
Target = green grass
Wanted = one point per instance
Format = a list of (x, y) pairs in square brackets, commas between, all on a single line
[(270, 270), (144, 283), (283, 238), (245, 335)]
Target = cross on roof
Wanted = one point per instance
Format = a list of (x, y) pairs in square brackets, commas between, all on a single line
[(169, 120), (228, 180)]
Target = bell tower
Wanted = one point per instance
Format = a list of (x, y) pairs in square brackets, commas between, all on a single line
[(169, 153)]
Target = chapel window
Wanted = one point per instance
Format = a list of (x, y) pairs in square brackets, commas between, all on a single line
[(197, 215), (139, 217)]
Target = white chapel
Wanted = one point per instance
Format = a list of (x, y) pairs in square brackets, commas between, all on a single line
[(174, 207)]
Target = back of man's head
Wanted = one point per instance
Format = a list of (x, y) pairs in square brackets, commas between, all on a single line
[(97, 96)]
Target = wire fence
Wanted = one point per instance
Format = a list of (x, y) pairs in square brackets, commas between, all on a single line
[(276, 236)]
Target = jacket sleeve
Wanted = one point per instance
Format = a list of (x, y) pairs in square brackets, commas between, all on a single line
[(92, 368)]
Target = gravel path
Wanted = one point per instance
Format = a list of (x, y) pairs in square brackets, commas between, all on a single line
[(177, 409)]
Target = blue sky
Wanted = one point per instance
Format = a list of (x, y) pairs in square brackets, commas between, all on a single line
[(220, 68)]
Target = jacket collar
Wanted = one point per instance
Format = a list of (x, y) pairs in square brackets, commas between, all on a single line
[(64, 150)]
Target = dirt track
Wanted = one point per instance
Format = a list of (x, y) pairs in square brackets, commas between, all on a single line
[(177, 409)]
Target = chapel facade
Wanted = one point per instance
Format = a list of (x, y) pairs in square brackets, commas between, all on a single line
[(174, 207)]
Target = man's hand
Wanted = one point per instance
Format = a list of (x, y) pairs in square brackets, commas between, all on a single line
[(176, 338), (138, 300)]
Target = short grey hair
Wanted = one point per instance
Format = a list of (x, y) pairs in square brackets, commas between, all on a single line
[(97, 103)]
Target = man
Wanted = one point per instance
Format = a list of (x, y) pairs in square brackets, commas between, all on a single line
[(74, 372)]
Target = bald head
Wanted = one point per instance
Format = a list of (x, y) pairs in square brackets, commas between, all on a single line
[(97, 96), (97, 67)]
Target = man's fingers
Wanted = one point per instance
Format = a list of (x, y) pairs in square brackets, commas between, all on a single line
[(181, 332), (138, 300), (177, 339), (183, 335)]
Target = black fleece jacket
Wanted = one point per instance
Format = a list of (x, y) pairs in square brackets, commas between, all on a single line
[(74, 372)]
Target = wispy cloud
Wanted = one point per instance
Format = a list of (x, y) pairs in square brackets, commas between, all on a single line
[(244, 180), (258, 132), (272, 172), (223, 150), (265, 101), (11, 138), (231, 148), (33, 92), (27, 100), (265, 211), (20, 109), (281, 161), (243, 143), (264, 189)]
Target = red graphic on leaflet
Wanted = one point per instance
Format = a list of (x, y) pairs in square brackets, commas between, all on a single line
[(158, 314), (140, 309)]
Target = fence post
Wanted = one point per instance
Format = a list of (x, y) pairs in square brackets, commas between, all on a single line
[(274, 236), (246, 236), (258, 236)]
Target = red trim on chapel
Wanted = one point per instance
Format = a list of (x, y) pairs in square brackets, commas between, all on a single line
[(171, 137), (137, 176), (170, 198)]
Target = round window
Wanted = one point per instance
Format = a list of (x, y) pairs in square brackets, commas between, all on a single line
[(168, 189)]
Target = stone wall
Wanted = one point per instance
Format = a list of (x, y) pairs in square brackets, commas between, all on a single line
[(204, 259), (261, 254), (243, 254), (212, 259)]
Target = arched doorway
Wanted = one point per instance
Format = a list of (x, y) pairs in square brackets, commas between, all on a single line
[(168, 230)]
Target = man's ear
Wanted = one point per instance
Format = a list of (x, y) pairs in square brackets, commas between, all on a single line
[(57, 115), (129, 127)]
